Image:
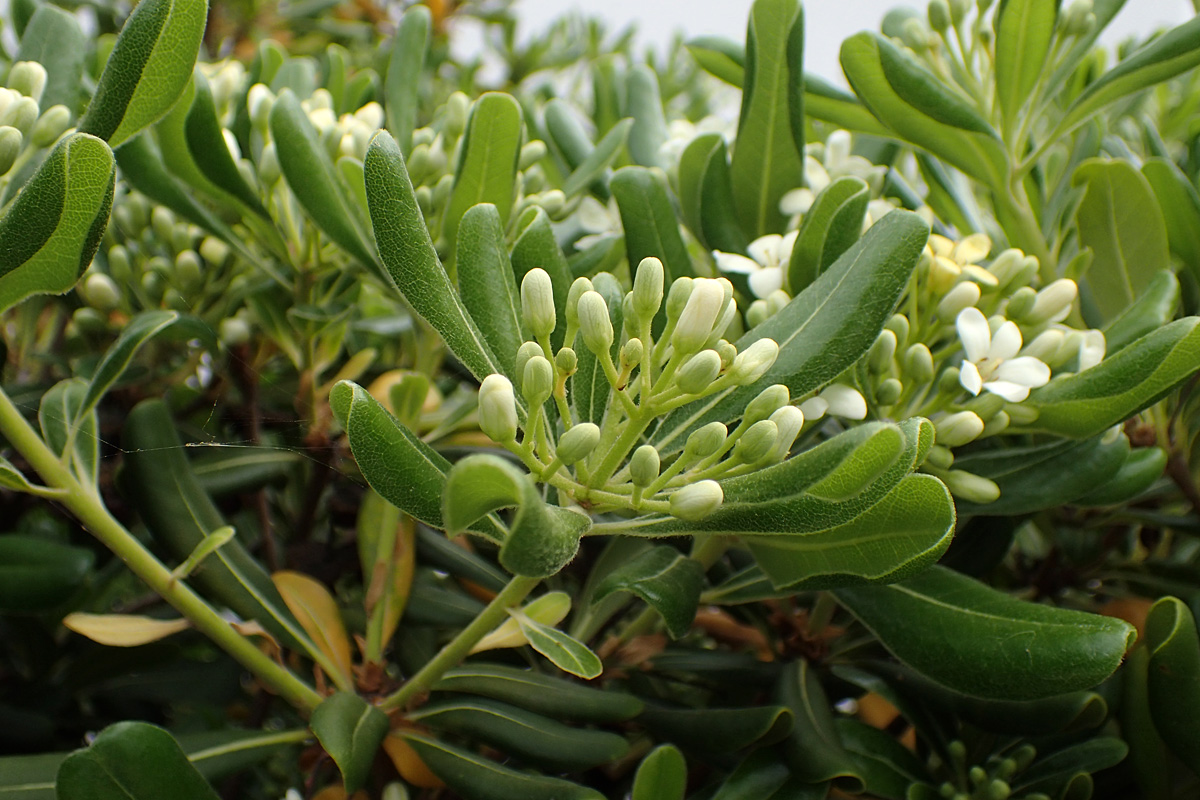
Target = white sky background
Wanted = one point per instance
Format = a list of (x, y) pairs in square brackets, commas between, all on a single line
[(827, 22)]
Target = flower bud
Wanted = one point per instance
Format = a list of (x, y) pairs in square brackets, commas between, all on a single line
[(844, 401), (644, 466), (566, 361), (939, 15), (233, 331), (986, 405), (948, 382), (757, 442), (420, 163), (776, 301), (648, 288), (939, 457), (11, 142), (1045, 346), (259, 101), (21, 114), (699, 372), (879, 358), (498, 409), (1020, 303), (269, 170), (704, 305), (1054, 302), (888, 392), (594, 322), (89, 320), (441, 191), (677, 297), (576, 291), (915, 34), (788, 420), (814, 408), (50, 126), (962, 296), (754, 362), (28, 78), (705, 441), (898, 325), (1091, 349), (1074, 19), (576, 443), (553, 203), (537, 380), (631, 353), (943, 273), (531, 153), (995, 425), (727, 352), (970, 487), (958, 11), (424, 199), (118, 264), (537, 302), (958, 429), (526, 351), (188, 273), (696, 501), (769, 401), (457, 107), (918, 364), (758, 313), (101, 292)]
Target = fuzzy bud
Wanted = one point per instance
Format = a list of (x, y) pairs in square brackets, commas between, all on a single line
[(970, 487), (553, 203), (644, 465), (997, 424), (939, 15), (531, 153), (705, 441), (699, 372), (457, 107), (28, 78), (537, 302), (50, 126), (118, 264), (594, 322), (697, 501), (1020, 303), (537, 380), (677, 297), (898, 325), (888, 392), (101, 292), (769, 401), (498, 409), (789, 421), (22, 114), (879, 358), (576, 291), (188, 272), (958, 429), (705, 303), (757, 442), (727, 352), (631, 353), (648, 288), (11, 142), (566, 361), (962, 296), (1054, 302), (754, 362), (757, 313), (525, 352), (918, 364), (576, 443)]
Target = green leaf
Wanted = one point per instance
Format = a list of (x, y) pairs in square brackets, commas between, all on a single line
[(131, 761), (706, 195), (1155, 308), (408, 253), (768, 161), (65, 425), (149, 68), (472, 775), (487, 168), (351, 731), (1141, 469), (1149, 757), (590, 389), (529, 736), (1119, 219), (592, 168), (824, 329), (887, 768), (975, 640), (710, 731), (553, 697), (662, 775), (1166, 56), (542, 538), (1054, 773), (224, 472), (1024, 32), (720, 57), (828, 103), (52, 229), (829, 228), (644, 104), (409, 49), (205, 139), (310, 174), (908, 99), (666, 580), (1173, 677), (565, 652), (651, 227), (759, 775), (54, 39), (486, 282), (536, 246), (1091, 401), (814, 749), (1180, 205), (1060, 79), (37, 574)]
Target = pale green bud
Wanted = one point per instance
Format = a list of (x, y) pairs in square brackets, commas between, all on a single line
[(898, 325), (89, 320), (566, 361), (958, 429), (888, 391), (1053, 301), (1006, 265), (537, 302), (531, 153), (214, 250), (940, 457), (578, 442), (769, 401), (1045, 346), (699, 372), (424, 199), (879, 358), (696, 501), (420, 163), (189, 274), (939, 15), (441, 191), (705, 441), (553, 203), (677, 297), (1021, 414), (915, 34), (118, 264), (963, 295), (648, 288), (174, 300), (393, 791), (537, 381), (997, 424), (948, 382), (1020, 303), (728, 313), (789, 421), (758, 313), (533, 180), (50, 126), (776, 301), (234, 331), (576, 291), (423, 136), (11, 142), (526, 351), (918, 364), (958, 11), (971, 487), (1074, 19), (259, 101), (162, 222), (628, 314), (757, 442), (21, 114), (28, 78), (727, 352), (269, 170), (644, 465), (457, 107), (754, 362), (986, 405), (631, 353), (704, 305), (594, 322), (498, 409), (101, 292)]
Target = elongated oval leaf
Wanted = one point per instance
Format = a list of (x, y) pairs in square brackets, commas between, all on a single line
[(148, 69), (978, 641), (829, 228), (1180, 205), (52, 229), (644, 104), (37, 574), (409, 48), (1154, 309), (131, 761), (1024, 31), (544, 694), (351, 731), (829, 103), (485, 279), (487, 169), (720, 57), (317, 612), (669, 582), (564, 651), (66, 428), (54, 39), (651, 227), (718, 730), (814, 749), (123, 630), (590, 170), (1173, 677), (662, 775), (706, 196), (205, 140)]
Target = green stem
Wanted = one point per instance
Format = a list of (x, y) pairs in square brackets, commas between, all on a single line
[(90, 511), (457, 649)]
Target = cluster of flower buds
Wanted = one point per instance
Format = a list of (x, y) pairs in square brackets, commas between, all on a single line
[(599, 456), (25, 127)]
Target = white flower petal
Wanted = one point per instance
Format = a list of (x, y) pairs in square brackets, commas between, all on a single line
[(815, 176), (765, 281), (1091, 352), (732, 262), (1012, 392), (593, 216), (974, 333), (592, 239), (797, 201), (969, 377), (1006, 341), (980, 275), (763, 249), (1026, 370), (814, 408), (845, 402), (837, 149), (972, 248), (940, 245), (788, 243)]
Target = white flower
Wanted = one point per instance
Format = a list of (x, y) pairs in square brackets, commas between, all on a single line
[(837, 400), (769, 256), (951, 260), (1091, 349), (991, 359)]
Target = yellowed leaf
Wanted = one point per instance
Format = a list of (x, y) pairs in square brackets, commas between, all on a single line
[(409, 764), (123, 630), (317, 612), (549, 609)]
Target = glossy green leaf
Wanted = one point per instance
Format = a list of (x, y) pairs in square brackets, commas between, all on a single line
[(409, 49), (590, 389), (829, 103), (825, 328), (759, 775), (1155, 307), (553, 697), (148, 69), (1141, 469), (666, 580), (1164, 57), (1083, 47), (536, 246), (908, 99), (131, 761), (439, 552), (768, 161), (478, 778), (487, 168), (829, 228), (223, 471), (54, 39), (65, 425), (887, 768), (978, 641), (1024, 32), (644, 104), (593, 166), (1091, 401), (1119, 219), (662, 775), (11, 477), (351, 731), (310, 174), (720, 57), (1173, 677), (718, 730), (651, 227), (814, 749), (542, 538), (486, 282), (1180, 205), (204, 134), (1052, 774), (1149, 757), (529, 736), (564, 651), (408, 253), (37, 574), (52, 229), (567, 138), (706, 196)]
